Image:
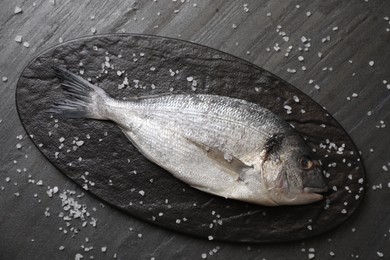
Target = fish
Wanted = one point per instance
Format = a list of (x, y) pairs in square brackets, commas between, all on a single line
[(220, 145)]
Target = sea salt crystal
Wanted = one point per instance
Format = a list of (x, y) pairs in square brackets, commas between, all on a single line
[(301, 58), (79, 143), (371, 63), (26, 44), (4, 79), (18, 38), (189, 79), (18, 10)]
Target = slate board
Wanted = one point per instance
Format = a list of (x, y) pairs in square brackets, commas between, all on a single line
[(110, 167)]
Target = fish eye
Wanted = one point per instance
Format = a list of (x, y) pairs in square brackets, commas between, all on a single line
[(306, 163)]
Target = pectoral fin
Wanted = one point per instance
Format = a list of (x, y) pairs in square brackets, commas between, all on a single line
[(231, 164)]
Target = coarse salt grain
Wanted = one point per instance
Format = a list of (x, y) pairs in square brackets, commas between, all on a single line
[(18, 10), (18, 38)]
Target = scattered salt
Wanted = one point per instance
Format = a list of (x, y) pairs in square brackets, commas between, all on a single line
[(18, 10), (18, 38), (79, 143)]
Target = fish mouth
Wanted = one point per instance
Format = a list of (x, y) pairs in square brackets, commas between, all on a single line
[(315, 189)]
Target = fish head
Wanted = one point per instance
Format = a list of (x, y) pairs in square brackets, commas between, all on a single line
[(291, 174)]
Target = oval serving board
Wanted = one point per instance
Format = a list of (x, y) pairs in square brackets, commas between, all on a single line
[(97, 156)]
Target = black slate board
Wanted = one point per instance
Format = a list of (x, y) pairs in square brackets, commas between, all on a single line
[(117, 172)]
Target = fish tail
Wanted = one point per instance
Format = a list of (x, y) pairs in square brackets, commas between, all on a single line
[(82, 99)]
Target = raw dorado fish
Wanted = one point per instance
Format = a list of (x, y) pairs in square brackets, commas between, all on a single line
[(220, 145)]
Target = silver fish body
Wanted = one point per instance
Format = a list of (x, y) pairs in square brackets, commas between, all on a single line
[(221, 145)]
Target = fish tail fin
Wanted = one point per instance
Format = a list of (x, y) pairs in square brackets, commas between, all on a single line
[(82, 99)]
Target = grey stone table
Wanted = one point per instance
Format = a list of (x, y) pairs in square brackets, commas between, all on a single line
[(339, 56)]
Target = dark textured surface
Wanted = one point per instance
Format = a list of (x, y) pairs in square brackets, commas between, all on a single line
[(34, 225), (118, 172)]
